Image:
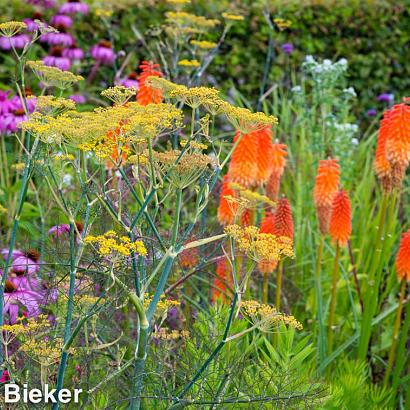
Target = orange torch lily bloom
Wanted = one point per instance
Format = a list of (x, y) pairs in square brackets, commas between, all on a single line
[(340, 227), (146, 94), (403, 257)]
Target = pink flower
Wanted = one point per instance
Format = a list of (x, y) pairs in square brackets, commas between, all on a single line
[(73, 7), (73, 53), (60, 21), (103, 52), (5, 377), (58, 39), (18, 41)]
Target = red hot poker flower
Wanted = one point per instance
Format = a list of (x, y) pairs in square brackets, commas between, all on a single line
[(403, 257), (146, 94), (226, 210), (340, 226), (278, 162)]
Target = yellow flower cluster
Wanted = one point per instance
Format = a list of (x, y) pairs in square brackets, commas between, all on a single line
[(163, 305), (282, 24), (119, 94), (103, 12), (165, 334), (11, 28), (260, 246), (266, 318), (50, 105), (181, 22), (194, 145), (183, 171), (53, 76), (88, 130), (206, 45), (111, 243), (30, 325), (189, 63), (233, 17), (253, 198), (44, 352)]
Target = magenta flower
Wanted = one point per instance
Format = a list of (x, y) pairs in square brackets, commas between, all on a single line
[(58, 39), (60, 21), (78, 99), (56, 59), (13, 298), (103, 52), (287, 48), (18, 41), (131, 81), (73, 7), (31, 25), (74, 53), (25, 265), (6, 104), (9, 121), (58, 230), (5, 377)]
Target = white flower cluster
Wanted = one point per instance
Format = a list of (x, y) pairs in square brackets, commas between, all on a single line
[(325, 69)]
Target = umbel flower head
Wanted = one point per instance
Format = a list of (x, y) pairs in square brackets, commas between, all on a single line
[(340, 226), (327, 184), (277, 163), (403, 257), (147, 94)]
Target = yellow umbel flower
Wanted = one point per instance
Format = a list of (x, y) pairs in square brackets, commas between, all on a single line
[(253, 198), (206, 45), (53, 76), (111, 244), (119, 94), (282, 24), (11, 28), (189, 63), (233, 17), (260, 246), (265, 317), (50, 105)]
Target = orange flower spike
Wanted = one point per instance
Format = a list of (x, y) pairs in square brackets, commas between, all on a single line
[(278, 162), (282, 219), (327, 184), (226, 210), (146, 94), (264, 155), (398, 140), (340, 226), (382, 165), (111, 140), (403, 257), (246, 217), (243, 167)]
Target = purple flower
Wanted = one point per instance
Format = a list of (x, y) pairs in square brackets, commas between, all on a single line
[(59, 230), (15, 253), (72, 7), (78, 99), (131, 81), (18, 41), (372, 112), (25, 265), (73, 53), (56, 59), (31, 25), (287, 48), (60, 21), (58, 39), (44, 3), (13, 298), (385, 97), (6, 104), (103, 52)]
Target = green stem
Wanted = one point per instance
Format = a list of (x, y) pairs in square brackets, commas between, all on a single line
[(265, 287), (370, 300), (279, 276), (335, 276), (396, 329), (319, 302)]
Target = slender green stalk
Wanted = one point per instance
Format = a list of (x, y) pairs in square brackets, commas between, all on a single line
[(279, 277), (319, 302), (370, 299), (265, 287), (335, 277), (22, 197), (211, 357), (396, 329)]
